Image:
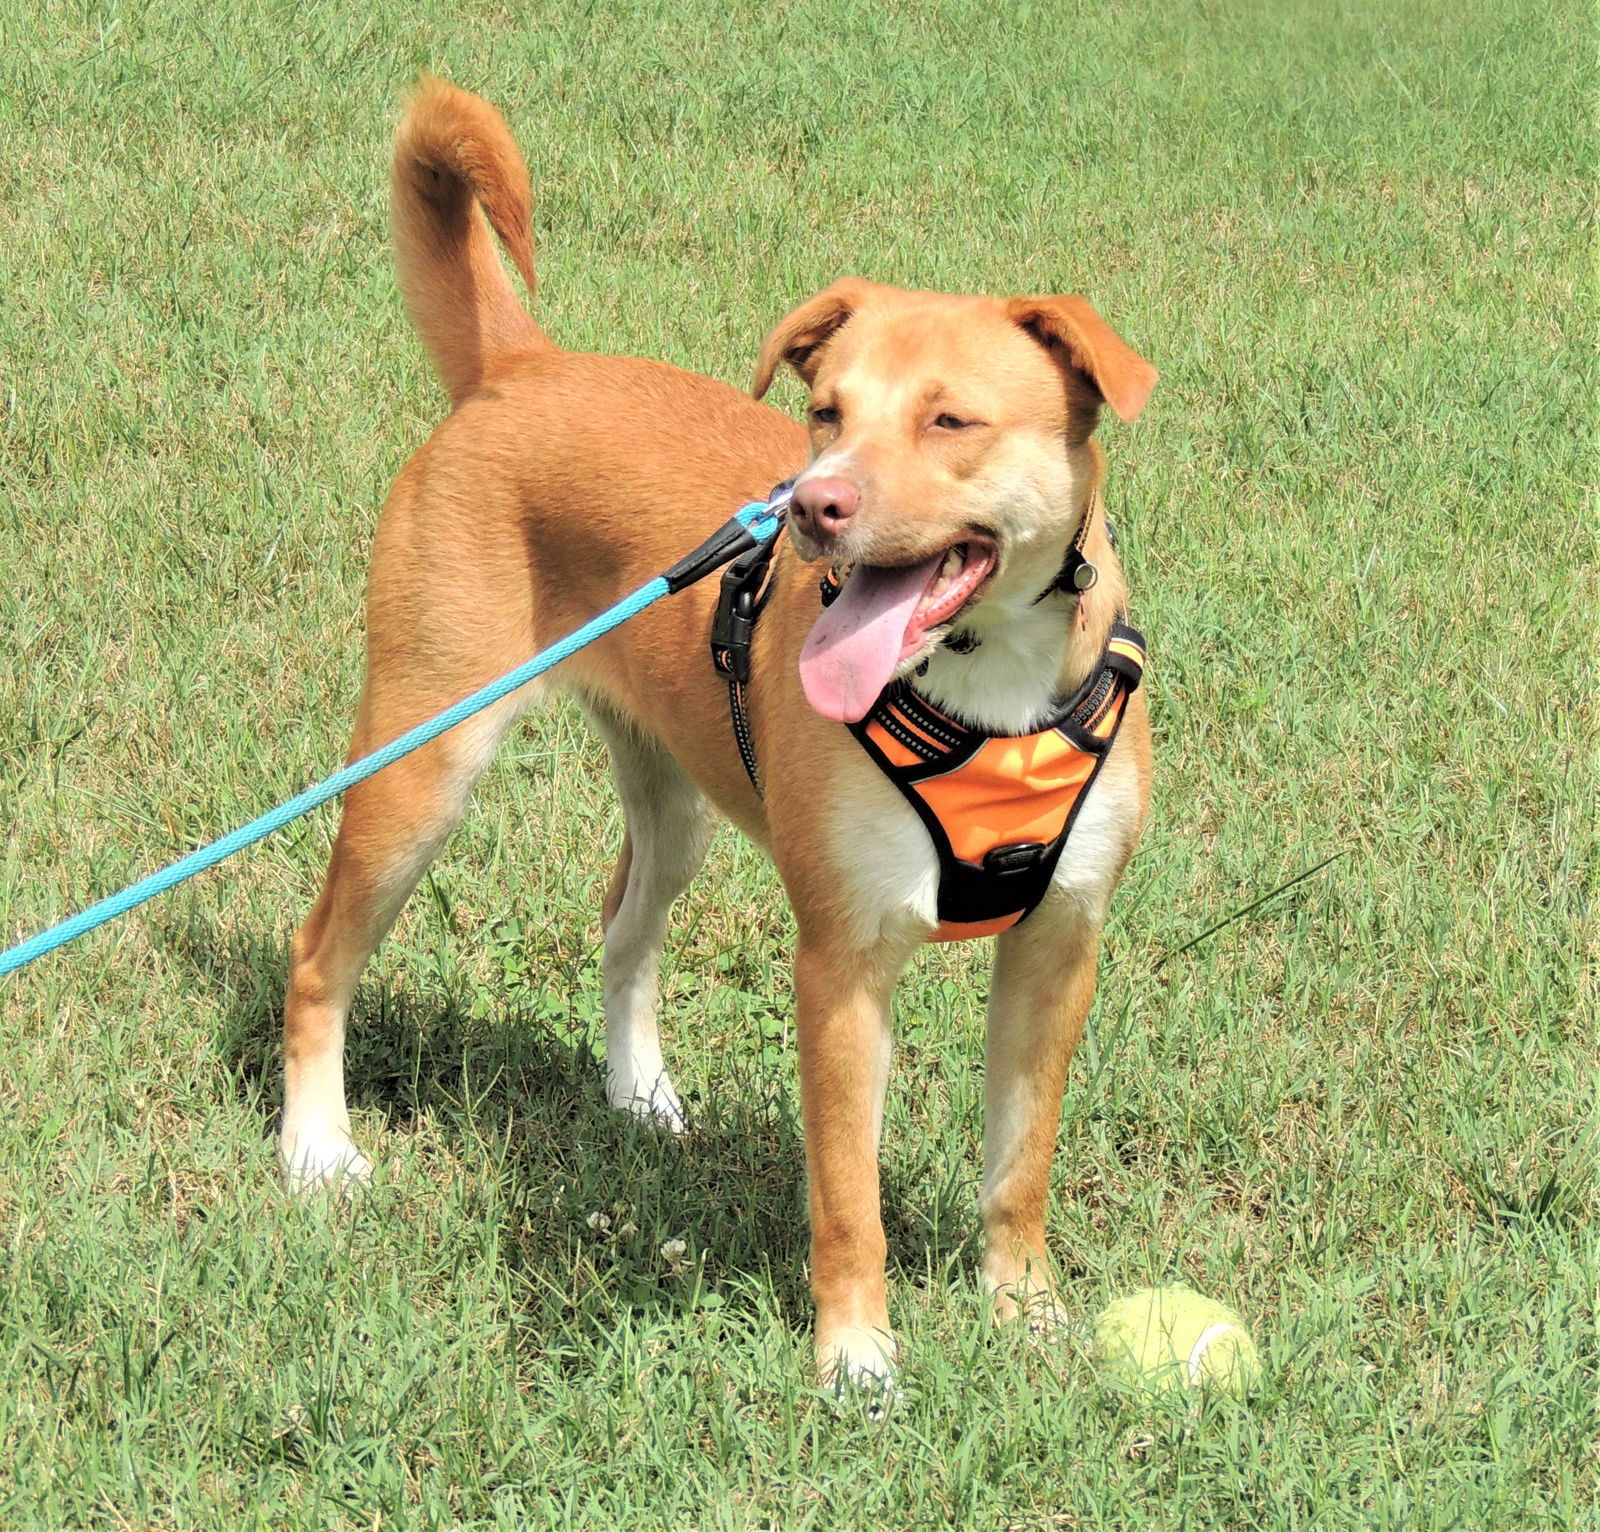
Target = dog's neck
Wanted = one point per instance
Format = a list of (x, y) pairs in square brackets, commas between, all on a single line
[(1030, 654)]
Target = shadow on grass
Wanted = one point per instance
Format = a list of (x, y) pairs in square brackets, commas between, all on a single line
[(514, 1091)]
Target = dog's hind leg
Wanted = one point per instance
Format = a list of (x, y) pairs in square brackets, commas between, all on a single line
[(393, 827), (669, 829)]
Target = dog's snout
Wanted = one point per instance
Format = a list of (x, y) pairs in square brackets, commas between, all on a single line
[(823, 506)]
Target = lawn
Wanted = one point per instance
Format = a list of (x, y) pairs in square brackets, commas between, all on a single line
[(1356, 240)]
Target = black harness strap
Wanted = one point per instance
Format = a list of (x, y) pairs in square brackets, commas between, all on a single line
[(743, 598), (1013, 877)]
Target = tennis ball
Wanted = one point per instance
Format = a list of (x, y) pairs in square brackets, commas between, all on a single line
[(1171, 1337)]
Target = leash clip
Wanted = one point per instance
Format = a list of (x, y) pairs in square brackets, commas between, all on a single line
[(739, 603), (732, 629)]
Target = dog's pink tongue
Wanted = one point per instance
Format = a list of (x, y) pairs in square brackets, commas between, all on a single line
[(854, 646)]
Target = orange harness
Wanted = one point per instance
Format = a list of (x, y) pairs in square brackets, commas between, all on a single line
[(999, 807)]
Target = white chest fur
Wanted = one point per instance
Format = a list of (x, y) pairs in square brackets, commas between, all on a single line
[(887, 867)]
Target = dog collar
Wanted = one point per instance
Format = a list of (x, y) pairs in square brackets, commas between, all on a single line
[(1077, 574)]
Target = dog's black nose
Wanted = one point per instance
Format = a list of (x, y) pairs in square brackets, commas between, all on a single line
[(823, 506)]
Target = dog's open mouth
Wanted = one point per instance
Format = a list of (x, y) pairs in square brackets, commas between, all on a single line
[(883, 617)]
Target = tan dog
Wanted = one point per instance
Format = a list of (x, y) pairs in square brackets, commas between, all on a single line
[(561, 482)]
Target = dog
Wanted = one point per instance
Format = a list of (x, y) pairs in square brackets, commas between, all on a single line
[(946, 477)]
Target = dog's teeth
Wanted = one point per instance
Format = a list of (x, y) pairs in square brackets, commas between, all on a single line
[(954, 561)]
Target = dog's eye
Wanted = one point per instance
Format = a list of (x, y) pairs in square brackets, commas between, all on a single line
[(826, 415), (952, 423)]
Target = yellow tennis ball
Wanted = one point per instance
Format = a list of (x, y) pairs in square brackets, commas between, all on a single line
[(1172, 1337)]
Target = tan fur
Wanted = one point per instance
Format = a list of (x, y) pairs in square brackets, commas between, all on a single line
[(454, 156), (561, 482)]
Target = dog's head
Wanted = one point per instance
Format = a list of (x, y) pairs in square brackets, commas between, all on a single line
[(949, 460)]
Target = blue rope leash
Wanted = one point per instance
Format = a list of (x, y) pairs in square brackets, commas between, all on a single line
[(755, 523)]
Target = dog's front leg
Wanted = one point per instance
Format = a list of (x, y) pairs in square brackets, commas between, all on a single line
[(842, 1020), (1044, 979)]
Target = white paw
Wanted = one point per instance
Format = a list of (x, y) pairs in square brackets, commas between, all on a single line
[(858, 1358), (315, 1161), (1039, 1308), (654, 1101)]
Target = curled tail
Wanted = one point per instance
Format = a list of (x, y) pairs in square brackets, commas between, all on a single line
[(452, 155)]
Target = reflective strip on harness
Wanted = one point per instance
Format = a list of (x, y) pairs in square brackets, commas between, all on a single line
[(999, 808)]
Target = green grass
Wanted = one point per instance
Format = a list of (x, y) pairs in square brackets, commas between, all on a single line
[(1354, 237)]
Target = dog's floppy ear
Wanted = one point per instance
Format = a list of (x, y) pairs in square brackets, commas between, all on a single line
[(1083, 341), (798, 337)]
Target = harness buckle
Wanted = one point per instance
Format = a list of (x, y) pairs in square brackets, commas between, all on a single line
[(1020, 856), (738, 606)]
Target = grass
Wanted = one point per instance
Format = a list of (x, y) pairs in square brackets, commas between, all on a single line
[(1356, 241)]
